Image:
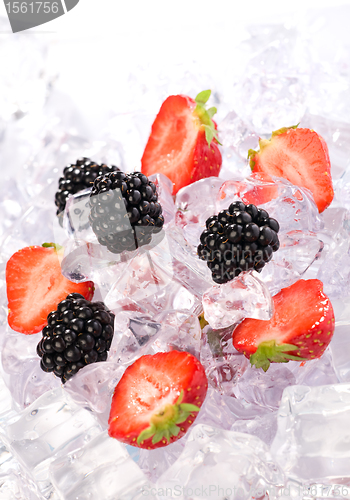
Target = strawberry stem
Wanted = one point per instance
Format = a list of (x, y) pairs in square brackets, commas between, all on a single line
[(164, 423), (205, 116), (269, 352)]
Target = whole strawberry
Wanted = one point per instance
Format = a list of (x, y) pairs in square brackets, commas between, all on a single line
[(301, 327), (299, 155), (157, 399), (183, 143)]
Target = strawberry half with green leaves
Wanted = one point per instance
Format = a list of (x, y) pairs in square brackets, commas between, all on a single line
[(35, 285), (299, 155), (301, 327), (183, 143), (157, 399)]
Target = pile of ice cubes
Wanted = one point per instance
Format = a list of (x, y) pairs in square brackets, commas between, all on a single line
[(280, 434)]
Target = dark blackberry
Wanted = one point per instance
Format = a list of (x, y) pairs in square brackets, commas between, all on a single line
[(81, 333), (77, 177), (124, 211), (238, 239)]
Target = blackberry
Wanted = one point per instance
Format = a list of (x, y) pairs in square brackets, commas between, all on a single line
[(78, 333), (77, 177), (240, 238), (124, 211)]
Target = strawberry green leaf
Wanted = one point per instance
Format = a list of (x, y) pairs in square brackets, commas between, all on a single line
[(180, 398), (212, 111), (181, 418), (205, 116), (209, 134), (189, 407), (52, 245), (203, 96), (269, 352), (174, 429), (157, 437), (282, 130), (251, 155), (146, 434), (163, 423)]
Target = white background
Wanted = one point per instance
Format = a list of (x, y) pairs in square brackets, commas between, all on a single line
[(94, 47)]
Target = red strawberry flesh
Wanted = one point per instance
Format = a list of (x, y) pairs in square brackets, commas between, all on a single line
[(178, 147), (300, 156), (303, 317), (151, 387), (35, 285)]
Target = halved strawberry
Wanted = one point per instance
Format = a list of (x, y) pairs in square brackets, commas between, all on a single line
[(35, 285), (301, 327), (299, 155), (157, 399), (183, 143)]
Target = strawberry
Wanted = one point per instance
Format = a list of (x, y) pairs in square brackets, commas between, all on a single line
[(262, 190), (157, 399), (299, 155), (35, 285), (183, 143), (301, 327)]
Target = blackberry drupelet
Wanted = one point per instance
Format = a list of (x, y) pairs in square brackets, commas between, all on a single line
[(240, 238), (77, 177), (78, 333), (124, 211)]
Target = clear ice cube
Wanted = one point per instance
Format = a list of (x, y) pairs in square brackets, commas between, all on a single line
[(223, 364), (225, 463), (337, 137), (194, 204), (51, 427), (313, 433), (292, 206), (334, 270), (297, 253), (246, 296), (21, 365), (101, 469)]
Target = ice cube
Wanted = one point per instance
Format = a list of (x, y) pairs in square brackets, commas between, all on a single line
[(298, 251), (264, 388), (195, 203), (337, 137), (52, 424), (51, 427), (225, 463), (101, 469), (179, 330), (21, 364), (14, 486), (340, 344), (93, 386), (246, 296), (292, 206), (236, 138), (313, 432), (150, 281), (165, 198), (334, 270), (223, 364), (192, 272), (13, 202)]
